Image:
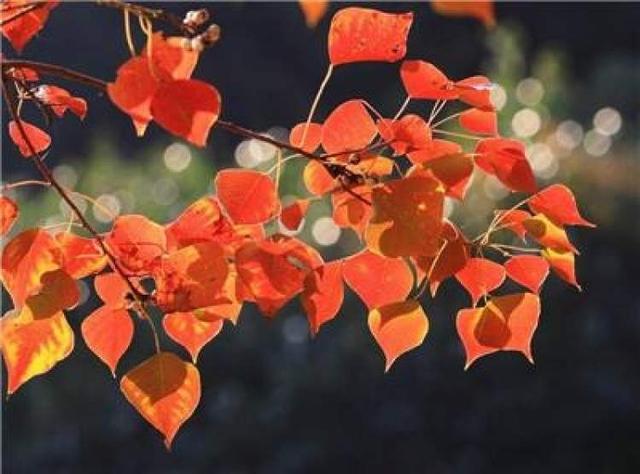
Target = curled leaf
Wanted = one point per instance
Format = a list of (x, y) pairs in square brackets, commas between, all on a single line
[(33, 142)]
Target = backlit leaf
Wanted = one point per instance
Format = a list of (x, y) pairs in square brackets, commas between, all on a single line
[(60, 100), (423, 80), (513, 220), (436, 149), (484, 122), (482, 10), (313, 11), (476, 92), (191, 332), (108, 332), (506, 323), (20, 30), (362, 34), (558, 203), (528, 270), (137, 242), (352, 209), (312, 138), (81, 256), (563, 264), (249, 197), (292, 215), (165, 390), (407, 217), (453, 171), (505, 159), (393, 278), (39, 139), (548, 234), (317, 179), (398, 328), (9, 213), (348, 128), (323, 294), (480, 276), (405, 135)]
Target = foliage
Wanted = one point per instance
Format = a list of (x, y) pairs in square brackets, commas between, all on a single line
[(388, 179)]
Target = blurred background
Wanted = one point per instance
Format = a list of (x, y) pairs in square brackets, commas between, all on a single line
[(276, 401)]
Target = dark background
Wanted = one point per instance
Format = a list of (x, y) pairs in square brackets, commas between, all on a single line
[(275, 402)]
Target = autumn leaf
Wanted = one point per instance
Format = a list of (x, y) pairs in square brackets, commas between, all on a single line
[(169, 57), (36, 140), (563, 264), (348, 128), (352, 208), (9, 213), (292, 215), (480, 276), (437, 148), (407, 217), (323, 294), (312, 134), (137, 242), (249, 197), (548, 234), (528, 270), (313, 11), (558, 203), (165, 390), (60, 100), (423, 80), (505, 159), (398, 328), (453, 171), (512, 220), (479, 121), (317, 179), (362, 34), (108, 332), (81, 256), (506, 323), (191, 332), (393, 278), (409, 133), (476, 92), (187, 108), (20, 30), (482, 10)]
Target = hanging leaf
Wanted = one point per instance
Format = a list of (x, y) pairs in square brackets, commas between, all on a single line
[(476, 92), (528, 270), (482, 10), (423, 80), (20, 30), (312, 137), (313, 11), (348, 128), (108, 332), (398, 328), (505, 159), (36, 142), (436, 149), (249, 197), (408, 134), (191, 332), (317, 179), (480, 276), (137, 243), (292, 215), (362, 34), (513, 220), (547, 234), (563, 264), (60, 100), (165, 390), (81, 256), (9, 213), (352, 208), (558, 203), (479, 121), (323, 294), (453, 171)]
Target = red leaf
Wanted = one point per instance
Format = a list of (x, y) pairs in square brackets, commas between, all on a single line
[(323, 294), (482, 10), (392, 282), (436, 149), (512, 220), (479, 121), (187, 108), (137, 243), (453, 171), (422, 80), (475, 91), (408, 134), (505, 159), (398, 328), (528, 270), (60, 100), (348, 128), (363, 34), (191, 332), (558, 203), (547, 234), (506, 323), (108, 332), (563, 264), (351, 209), (312, 137), (317, 179), (480, 276), (9, 213), (22, 29), (165, 390), (39, 139), (81, 256), (249, 197), (313, 11), (292, 215)]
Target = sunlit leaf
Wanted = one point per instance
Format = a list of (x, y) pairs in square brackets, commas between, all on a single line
[(563, 264), (480, 276), (512, 220), (249, 197), (453, 171), (36, 140), (423, 80), (108, 332), (476, 92), (352, 208), (312, 136), (558, 203), (484, 122), (528, 270), (409, 133), (81, 256), (548, 234), (191, 332), (348, 128), (9, 213), (20, 30), (313, 10), (323, 294), (436, 149), (292, 215), (317, 179), (60, 100), (137, 242), (505, 159)]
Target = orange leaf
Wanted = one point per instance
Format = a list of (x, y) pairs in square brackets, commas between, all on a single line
[(505, 159), (22, 29), (377, 280), (57, 291), (60, 100), (274, 270), (484, 122), (475, 91), (191, 332), (512, 220), (422, 80), (562, 264), (350, 209), (202, 221), (317, 179), (292, 215), (323, 294), (187, 108), (32, 346), (9, 213), (170, 58), (191, 277), (249, 197), (408, 134), (112, 289), (436, 149), (528, 270), (398, 328), (362, 34), (165, 390), (453, 171), (27, 257), (81, 256), (39, 139), (547, 234), (311, 139), (480, 276), (313, 11), (506, 323), (108, 332), (137, 243), (407, 217), (482, 10), (558, 203), (348, 128)]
